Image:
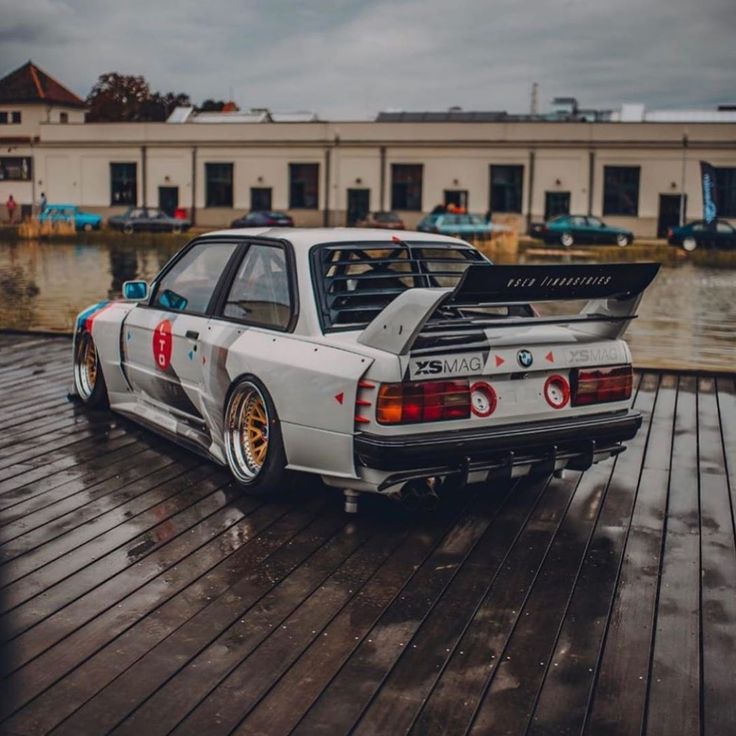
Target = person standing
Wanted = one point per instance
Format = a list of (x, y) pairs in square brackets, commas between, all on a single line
[(42, 203), (11, 205)]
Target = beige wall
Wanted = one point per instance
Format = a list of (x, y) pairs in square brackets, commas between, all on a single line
[(72, 162)]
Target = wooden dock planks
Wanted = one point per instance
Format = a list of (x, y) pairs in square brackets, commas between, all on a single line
[(140, 594)]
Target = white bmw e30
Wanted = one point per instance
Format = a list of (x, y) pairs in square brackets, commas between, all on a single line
[(380, 363)]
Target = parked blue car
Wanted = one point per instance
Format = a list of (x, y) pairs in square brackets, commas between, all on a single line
[(460, 225), (569, 230), (70, 213)]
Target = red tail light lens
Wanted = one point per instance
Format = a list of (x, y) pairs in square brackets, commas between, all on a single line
[(600, 385), (426, 401)]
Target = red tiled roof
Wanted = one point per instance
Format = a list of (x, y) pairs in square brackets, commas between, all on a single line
[(28, 84)]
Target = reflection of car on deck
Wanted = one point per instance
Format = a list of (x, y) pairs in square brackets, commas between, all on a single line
[(147, 219), (380, 364), (72, 214), (699, 235), (570, 230)]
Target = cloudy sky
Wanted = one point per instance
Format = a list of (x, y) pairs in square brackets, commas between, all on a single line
[(351, 58)]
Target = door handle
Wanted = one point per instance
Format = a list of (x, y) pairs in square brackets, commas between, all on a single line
[(192, 335)]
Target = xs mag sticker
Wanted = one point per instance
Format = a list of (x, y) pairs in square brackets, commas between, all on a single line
[(446, 366)]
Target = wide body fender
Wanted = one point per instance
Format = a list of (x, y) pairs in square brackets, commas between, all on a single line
[(313, 388), (104, 322)]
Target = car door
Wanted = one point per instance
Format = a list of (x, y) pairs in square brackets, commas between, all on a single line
[(725, 235), (579, 228), (161, 340), (261, 297)]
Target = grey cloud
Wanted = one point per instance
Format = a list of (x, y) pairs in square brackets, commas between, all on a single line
[(347, 58)]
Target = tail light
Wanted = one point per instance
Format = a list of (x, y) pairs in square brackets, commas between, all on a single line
[(669, 232), (600, 385), (426, 401)]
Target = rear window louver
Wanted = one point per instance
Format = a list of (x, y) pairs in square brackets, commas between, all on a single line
[(357, 281)]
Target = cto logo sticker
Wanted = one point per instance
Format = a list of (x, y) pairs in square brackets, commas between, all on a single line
[(162, 344)]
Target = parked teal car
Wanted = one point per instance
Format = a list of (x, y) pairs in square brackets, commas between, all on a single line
[(568, 230), (459, 225), (70, 213)]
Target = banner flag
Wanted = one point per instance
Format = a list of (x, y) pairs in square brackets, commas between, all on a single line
[(708, 175)]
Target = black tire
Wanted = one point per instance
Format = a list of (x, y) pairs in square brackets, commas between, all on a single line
[(567, 240), (689, 243), (128, 229), (255, 475), (89, 381), (623, 240)]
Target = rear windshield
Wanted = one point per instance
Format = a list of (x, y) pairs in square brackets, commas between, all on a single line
[(354, 282)]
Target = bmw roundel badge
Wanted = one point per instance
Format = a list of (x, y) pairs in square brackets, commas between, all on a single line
[(525, 358)]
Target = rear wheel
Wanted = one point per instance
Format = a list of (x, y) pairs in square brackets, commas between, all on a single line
[(128, 229), (689, 244), (176, 229), (88, 379), (622, 239), (567, 239), (253, 444)]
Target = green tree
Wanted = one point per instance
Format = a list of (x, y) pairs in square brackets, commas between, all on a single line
[(128, 98)]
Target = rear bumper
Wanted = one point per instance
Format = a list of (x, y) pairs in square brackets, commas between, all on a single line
[(576, 441)]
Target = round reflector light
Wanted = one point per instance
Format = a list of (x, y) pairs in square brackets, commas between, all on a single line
[(557, 391), (483, 399)]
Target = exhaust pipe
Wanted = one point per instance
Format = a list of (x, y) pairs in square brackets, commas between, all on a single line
[(419, 495)]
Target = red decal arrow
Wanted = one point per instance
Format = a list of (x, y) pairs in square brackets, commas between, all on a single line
[(499, 361), (550, 357), (340, 397)]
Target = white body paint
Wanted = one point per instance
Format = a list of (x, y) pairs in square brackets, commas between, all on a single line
[(179, 383)]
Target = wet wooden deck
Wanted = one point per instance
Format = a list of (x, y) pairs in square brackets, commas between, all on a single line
[(141, 595)]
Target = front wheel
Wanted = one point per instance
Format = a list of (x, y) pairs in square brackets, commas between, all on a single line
[(176, 229), (128, 229), (253, 444), (689, 244), (567, 240), (88, 379), (622, 240)]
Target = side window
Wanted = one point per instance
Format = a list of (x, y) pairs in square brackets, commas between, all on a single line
[(260, 292), (189, 285)]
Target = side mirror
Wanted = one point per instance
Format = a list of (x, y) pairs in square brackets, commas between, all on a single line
[(135, 291)]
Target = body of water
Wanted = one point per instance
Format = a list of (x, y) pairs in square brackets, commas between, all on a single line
[(687, 318)]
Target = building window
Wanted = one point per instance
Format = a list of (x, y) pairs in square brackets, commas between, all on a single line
[(219, 185), (303, 186), (726, 192), (506, 188), (63, 117), (556, 203), (260, 198), (15, 168), (15, 117), (457, 198), (406, 187), (621, 190), (123, 183), (3, 117)]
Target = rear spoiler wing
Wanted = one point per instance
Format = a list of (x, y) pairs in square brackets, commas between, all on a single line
[(612, 291)]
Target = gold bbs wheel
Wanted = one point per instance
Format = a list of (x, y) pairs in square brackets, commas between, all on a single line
[(86, 367), (246, 431)]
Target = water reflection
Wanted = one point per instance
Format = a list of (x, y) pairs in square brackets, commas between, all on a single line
[(687, 318)]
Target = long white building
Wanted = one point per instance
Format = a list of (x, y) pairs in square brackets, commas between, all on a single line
[(628, 169)]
